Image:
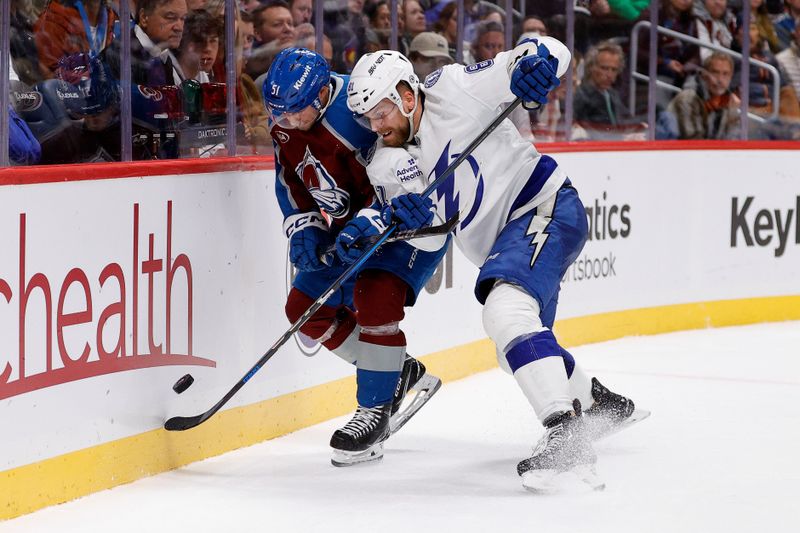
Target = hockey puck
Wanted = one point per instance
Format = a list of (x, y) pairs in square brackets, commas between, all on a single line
[(184, 383)]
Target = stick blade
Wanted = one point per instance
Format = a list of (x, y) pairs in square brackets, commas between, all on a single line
[(182, 423)]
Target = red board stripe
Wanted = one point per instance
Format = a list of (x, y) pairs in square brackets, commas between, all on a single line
[(101, 171)]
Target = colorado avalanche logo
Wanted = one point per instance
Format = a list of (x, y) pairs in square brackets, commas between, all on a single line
[(282, 136), (322, 186)]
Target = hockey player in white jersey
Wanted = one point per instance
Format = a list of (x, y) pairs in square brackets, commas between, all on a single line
[(521, 222)]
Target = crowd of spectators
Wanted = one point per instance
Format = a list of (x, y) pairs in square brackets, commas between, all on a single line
[(66, 67)]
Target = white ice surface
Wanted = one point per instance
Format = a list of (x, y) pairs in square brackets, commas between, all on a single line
[(719, 454)]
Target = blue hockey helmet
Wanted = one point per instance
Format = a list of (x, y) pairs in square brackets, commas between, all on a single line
[(294, 81)]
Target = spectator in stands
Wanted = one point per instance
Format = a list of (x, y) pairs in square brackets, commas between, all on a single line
[(428, 52), (413, 17), (247, 33), (762, 83), (446, 25), (597, 104), (216, 8), (307, 38), (199, 46), (250, 103), (379, 25), (492, 16), (304, 31), (758, 12), (378, 15), (789, 60), (249, 6), (677, 59), (274, 25), (70, 26), (715, 24), (597, 8), (535, 25), (766, 30), (274, 30), (22, 45), (710, 110), (346, 25), (158, 31), (23, 148), (786, 23), (548, 122), (489, 42), (302, 11)]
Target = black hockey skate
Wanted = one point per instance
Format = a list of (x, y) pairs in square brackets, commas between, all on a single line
[(610, 412), (564, 448), (361, 439), (413, 377)]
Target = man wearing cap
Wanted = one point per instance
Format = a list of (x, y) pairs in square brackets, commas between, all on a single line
[(428, 51)]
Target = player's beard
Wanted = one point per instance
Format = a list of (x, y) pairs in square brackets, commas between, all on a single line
[(398, 136)]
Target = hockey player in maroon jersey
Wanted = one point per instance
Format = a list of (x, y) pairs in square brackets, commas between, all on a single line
[(323, 191)]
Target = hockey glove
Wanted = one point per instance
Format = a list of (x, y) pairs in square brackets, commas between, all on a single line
[(303, 245), (535, 76), (367, 224), (411, 211)]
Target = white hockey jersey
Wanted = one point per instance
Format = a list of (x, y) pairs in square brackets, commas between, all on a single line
[(502, 179)]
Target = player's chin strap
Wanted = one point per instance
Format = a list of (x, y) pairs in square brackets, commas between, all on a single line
[(410, 115), (322, 108)]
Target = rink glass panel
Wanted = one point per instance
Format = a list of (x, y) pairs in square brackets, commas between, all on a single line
[(66, 67)]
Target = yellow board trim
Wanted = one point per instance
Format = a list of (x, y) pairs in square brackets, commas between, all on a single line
[(28, 488)]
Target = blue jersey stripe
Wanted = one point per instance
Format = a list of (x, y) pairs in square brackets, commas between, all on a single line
[(544, 169)]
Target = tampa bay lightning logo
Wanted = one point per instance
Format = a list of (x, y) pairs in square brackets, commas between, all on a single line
[(432, 78), (447, 193), (322, 186)]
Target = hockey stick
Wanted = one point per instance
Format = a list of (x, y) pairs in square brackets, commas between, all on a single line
[(181, 423), (327, 255)]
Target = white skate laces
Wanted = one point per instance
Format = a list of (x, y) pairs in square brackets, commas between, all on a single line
[(364, 420)]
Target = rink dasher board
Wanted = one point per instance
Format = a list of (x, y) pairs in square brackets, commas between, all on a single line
[(672, 245)]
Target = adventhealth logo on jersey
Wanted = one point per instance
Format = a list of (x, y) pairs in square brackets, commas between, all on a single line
[(319, 182), (410, 172), (764, 227), (607, 221)]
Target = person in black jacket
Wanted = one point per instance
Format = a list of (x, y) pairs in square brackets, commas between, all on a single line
[(598, 106)]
